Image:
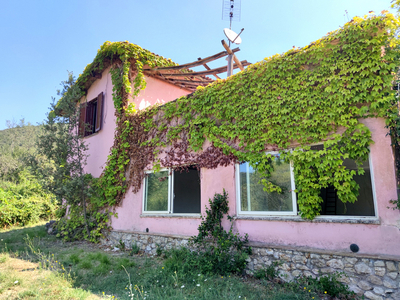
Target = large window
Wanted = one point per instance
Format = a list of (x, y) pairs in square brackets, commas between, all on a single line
[(364, 206), (90, 118), (172, 192), (252, 197), (253, 200)]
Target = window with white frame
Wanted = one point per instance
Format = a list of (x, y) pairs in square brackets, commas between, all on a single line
[(253, 200), (364, 206), (174, 192)]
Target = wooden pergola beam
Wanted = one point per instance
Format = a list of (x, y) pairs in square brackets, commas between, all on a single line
[(230, 52), (173, 80), (193, 64), (208, 68), (200, 73)]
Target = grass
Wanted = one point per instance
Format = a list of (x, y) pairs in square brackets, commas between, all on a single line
[(34, 265), (21, 279)]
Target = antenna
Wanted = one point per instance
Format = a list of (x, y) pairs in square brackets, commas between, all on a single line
[(232, 36), (231, 11)]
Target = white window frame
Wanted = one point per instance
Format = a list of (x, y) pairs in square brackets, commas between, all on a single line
[(170, 196), (266, 213), (294, 198), (145, 186)]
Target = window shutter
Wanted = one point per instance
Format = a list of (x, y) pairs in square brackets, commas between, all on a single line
[(89, 119), (82, 116), (99, 113)]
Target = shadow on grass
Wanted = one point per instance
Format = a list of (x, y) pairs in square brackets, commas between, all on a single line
[(88, 268), (29, 271)]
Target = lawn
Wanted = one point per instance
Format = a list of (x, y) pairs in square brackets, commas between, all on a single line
[(34, 265)]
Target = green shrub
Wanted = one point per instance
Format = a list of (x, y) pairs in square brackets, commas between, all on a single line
[(24, 202), (325, 285), (215, 251)]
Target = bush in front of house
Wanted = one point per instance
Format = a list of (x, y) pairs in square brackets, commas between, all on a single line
[(214, 250)]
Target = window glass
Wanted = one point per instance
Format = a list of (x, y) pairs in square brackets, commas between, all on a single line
[(364, 206), (187, 191), (183, 191), (252, 194), (156, 191)]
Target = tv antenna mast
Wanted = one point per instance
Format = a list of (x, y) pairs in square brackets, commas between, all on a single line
[(231, 12)]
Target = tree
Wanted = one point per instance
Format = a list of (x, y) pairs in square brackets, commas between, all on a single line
[(63, 146)]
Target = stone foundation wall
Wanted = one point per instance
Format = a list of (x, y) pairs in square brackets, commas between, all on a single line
[(372, 277), (146, 242)]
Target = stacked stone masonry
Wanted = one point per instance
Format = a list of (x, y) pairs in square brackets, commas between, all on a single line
[(373, 278)]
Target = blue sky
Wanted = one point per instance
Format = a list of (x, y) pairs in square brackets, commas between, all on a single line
[(42, 40)]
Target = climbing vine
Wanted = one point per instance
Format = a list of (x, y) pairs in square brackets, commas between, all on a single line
[(283, 103), (290, 101)]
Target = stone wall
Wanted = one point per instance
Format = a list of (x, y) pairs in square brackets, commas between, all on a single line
[(375, 278), (146, 242), (372, 277)]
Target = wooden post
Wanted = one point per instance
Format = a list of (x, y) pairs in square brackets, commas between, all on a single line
[(230, 52)]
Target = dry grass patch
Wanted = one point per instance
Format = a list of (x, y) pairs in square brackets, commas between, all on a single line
[(21, 279)]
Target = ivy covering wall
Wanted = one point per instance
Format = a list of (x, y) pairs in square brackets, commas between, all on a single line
[(283, 103)]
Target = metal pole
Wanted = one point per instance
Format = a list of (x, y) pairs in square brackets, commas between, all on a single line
[(230, 65)]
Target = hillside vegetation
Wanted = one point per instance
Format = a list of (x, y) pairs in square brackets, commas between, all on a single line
[(23, 196)]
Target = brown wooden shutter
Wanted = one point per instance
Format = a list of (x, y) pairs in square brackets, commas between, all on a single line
[(89, 122), (82, 116), (99, 113)]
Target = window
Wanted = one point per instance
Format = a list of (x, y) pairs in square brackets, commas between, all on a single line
[(364, 206), (252, 197), (172, 192), (253, 200), (90, 118)]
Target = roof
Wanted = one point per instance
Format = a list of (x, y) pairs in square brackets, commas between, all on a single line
[(153, 65)]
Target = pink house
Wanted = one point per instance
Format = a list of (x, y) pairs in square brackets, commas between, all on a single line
[(362, 238)]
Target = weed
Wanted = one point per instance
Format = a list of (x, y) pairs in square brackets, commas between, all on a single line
[(86, 264), (269, 272), (75, 258), (121, 245), (159, 250), (135, 249), (125, 262), (105, 260), (324, 285), (3, 258)]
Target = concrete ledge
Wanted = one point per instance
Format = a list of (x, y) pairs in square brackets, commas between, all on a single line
[(153, 233), (323, 251), (372, 220), (170, 216)]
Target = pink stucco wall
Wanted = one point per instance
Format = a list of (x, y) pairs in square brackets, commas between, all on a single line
[(379, 239), (157, 91)]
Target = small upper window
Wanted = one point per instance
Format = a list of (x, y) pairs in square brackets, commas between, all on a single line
[(90, 118), (172, 192), (252, 197)]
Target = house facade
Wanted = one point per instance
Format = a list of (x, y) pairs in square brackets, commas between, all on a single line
[(371, 224), (361, 239)]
